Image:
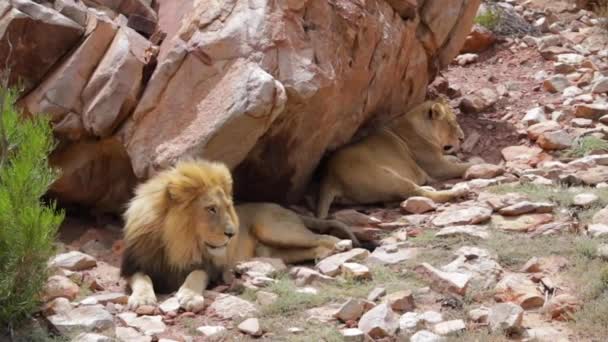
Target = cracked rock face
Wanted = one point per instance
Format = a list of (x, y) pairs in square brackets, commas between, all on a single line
[(266, 88)]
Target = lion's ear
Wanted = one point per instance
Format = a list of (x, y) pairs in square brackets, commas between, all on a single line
[(180, 193)]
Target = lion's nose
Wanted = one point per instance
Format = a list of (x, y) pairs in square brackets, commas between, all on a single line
[(229, 232)]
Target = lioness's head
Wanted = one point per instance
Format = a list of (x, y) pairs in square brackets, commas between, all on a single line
[(444, 127), (199, 197)]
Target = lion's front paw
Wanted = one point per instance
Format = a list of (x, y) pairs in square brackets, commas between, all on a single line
[(139, 299), (461, 190), (190, 300)]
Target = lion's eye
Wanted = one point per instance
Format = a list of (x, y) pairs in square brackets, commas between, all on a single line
[(212, 209)]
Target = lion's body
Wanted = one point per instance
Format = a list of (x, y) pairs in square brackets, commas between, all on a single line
[(182, 232), (391, 164)]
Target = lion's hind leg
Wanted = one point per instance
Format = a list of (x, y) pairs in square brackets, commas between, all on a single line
[(142, 291), (404, 188)]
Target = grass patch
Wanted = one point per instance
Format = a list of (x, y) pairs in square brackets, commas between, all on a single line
[(585, 145), (289, 301), (488, 19)]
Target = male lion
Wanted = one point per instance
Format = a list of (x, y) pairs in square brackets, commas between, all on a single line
[(391, 164), (183, 231)]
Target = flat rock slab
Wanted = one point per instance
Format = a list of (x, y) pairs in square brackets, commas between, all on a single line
[(73, 261), (523, 223), (465, 216), (331, 265), (85, 318)]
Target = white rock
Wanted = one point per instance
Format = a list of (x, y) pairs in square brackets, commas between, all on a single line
[(600, 85), (449, 327), (598, 229), (127, 334), (73, 261), (91, 337), (466, 216), (379, 322), (585, 200), (352, 335), (149, 325), (431, 317), (211, 330), (169, 305), (425, 336), (444, 281), (85, 318), (355, 271), (471, 231), (534, 116), (505, 317), (331, 265), (376, 293), (251, 326), (391, 254), (466, 58), (231, 307), (410, 322)]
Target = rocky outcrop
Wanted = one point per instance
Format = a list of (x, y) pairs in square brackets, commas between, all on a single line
[(266, 87)]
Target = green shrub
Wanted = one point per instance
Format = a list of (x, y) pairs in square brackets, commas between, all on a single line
[(586, 145), (488, 19), (27, 225)]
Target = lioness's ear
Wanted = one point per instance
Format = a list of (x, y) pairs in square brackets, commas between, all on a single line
[(435, 112)]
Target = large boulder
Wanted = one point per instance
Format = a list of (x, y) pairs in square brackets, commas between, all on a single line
[(266, 88)]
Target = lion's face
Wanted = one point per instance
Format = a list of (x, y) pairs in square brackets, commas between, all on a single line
[(200, 208), (218, 220), (445, 128)]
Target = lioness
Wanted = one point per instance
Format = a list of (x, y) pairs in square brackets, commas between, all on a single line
[(183, 231), (392, 163)]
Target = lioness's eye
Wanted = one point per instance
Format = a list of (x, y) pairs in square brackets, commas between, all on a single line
[(212, 209)]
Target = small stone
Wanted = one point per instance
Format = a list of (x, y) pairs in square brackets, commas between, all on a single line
[(556, 84), (376, 293), (410, 322), (266, 267), (562, 307), (600, 86), (479, 40), (418, 205), (466, 216), (251, 326), (582, 123), (585, 200), (91, 337), (431, 317), (169, 305), (591, 111), (350, 311), (266, 298), (379, 322), (479, 102), (308, 276), (469, 231), (83, 319), (453, 282), (517, 288), (149, 325), (555, 140), (449, 327), (484, 171), (57, 306), (231, 307), (127, 334), (308, 290), (352, 335), (211, 330), (391, 254), (73, 261), (146, 310), (467, 58), (60, 286), (425, 336), (344, 245), (401, 301), (602, 252), (105, 298), (355, 271), (572, 91), (532, 266), (523, 223), (535, 130), (479, 315), (506, 317), (331, 265), (526, 207)]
